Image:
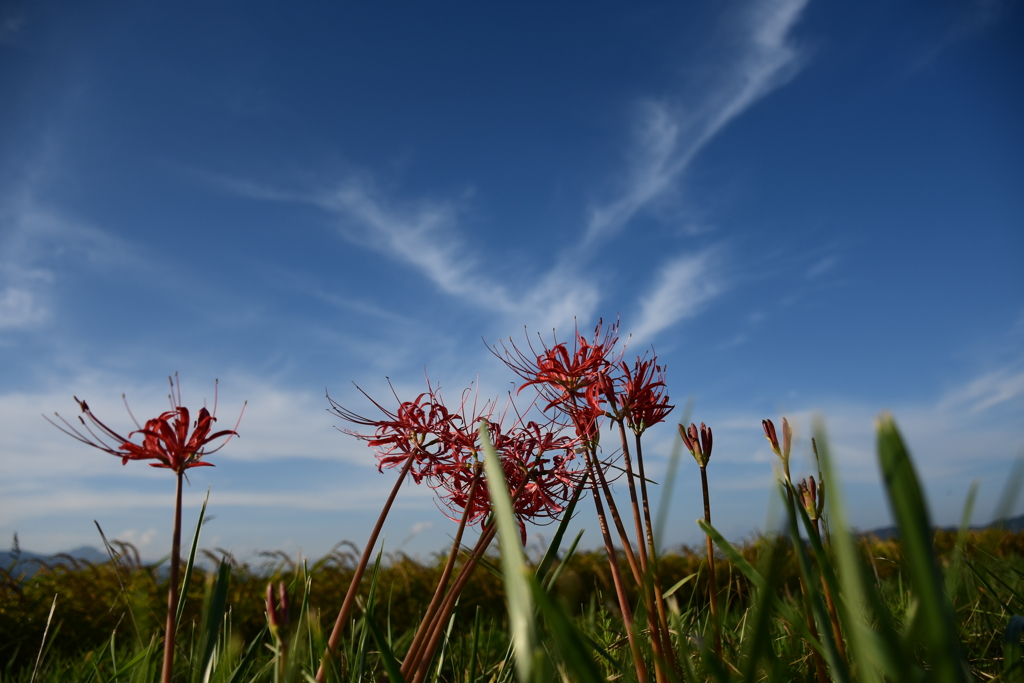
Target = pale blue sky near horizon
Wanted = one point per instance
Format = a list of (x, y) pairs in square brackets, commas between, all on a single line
[(807, 209)]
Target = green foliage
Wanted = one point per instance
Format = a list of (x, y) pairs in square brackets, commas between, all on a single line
[(927, 606)]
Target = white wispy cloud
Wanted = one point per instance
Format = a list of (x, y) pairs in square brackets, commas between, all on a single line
[(20, 308), (682, 287), (353, 497), (34, 239), (758, 56), (424, 235), (987, 391), (822, 266), (668, 137)]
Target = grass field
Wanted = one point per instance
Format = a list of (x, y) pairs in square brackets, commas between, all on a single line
[(928, 606)]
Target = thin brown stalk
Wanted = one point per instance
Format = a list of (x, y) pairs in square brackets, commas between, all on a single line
[(353, 588), (640, 540), (655, 577), (172, 589), (437, 626), (613, 565), (617, 519), (442, 585), (712, 587), (647, 584)]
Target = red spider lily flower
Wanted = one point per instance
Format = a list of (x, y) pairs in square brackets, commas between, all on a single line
[(165, 438), (642, 402), (418, 429), (586, 419), (563, 376), (549, 483), (700, 444), (540, 483)]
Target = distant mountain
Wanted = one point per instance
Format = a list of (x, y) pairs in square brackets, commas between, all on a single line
[(28, 563), (1014, 524)]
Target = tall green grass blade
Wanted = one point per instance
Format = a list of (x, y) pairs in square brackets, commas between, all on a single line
[(679, 584), (445, 646), (1013, 593), (571, 645), (1013, 667), (1011, 491), (683, 647), (42, 645), (391, 664), (564, 563), (820, 555), (248, 658), (552, 552), (762, 584), (183, 593), (674, 458), (813, 600), (114, 564), (213, 617), (860, 602), (471, 675), (364, 631), (734, 556), (517, 586), (934, 624), (759, 644), (953, 571)]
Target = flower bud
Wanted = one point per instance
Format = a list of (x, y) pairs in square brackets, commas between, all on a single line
[(706, 441), (692, 441), (271, 611), (277, 615), (769, 433), (787, 439), (806, 491)]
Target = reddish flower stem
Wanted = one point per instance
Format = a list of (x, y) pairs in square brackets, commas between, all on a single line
[(712, 583), (172, 589), (353, 588), (646, 585), (655, 577), (439, 592), (641, 542), (613, 565), (437, 626), (623, 537)]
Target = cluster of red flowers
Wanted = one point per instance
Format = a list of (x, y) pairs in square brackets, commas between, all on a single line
[(579, 386), (590, 382), (443, 448)]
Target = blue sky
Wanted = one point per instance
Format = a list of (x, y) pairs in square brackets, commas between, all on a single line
[(806, 208)]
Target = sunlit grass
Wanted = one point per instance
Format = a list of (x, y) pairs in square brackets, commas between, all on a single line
[(102, 628)]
